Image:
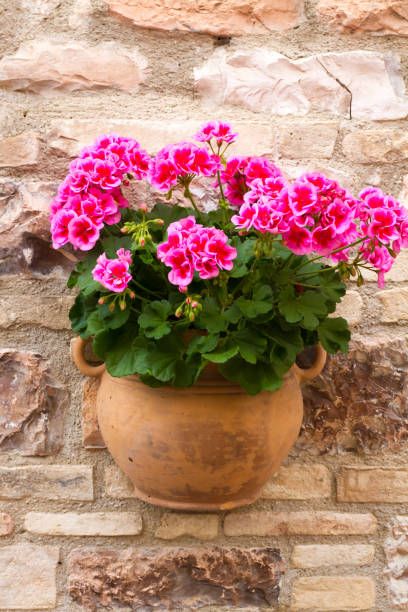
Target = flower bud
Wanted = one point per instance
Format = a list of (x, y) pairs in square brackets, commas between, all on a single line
[(142, 242), (122, 305), (112, 307), (132, 295), (188, 300), (191, 316), (194, 304), (143, 208), (101, 300), (159, 221), (179, 312), (124, 230)]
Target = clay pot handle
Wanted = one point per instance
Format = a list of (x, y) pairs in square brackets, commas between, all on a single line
[(77, 353), (316, 368)]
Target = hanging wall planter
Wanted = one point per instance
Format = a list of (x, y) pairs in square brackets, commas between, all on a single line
[(198, 317)]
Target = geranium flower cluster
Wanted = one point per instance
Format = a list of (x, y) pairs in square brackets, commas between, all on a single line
[(190, 247), (240, 174), (219, 131), (180, 161), (113, 274), (90, 196)]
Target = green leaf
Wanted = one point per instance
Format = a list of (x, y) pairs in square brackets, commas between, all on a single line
[(128, 356), (233, 314), (252, 378), (84, 281), (210, 317), (153, 319), (222, 353), (287, 338), (111, 244), (334, 334), (251, 345), (164, 356), (260, 303), (304, 308), (245, 252), (79, 313), (202, 344)]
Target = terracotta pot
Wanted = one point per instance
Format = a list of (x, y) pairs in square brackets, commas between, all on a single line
[(208, 447)]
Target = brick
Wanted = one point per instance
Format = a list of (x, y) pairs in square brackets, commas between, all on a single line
[(69, 136), (370, 146), (32, 407), (299, 481), (307, 140), (308, 556), (330, 592), (40, 310), (20, 150), (372, 484), (307, 522), (395, 305), (351, 308), (227, 18), (91, 435), (6, 524), (199, 526), (28, 577), (357, 84), (359, 402), (117, 484), (84, 524), (73, 482), (381, 17), (396, 553), (44, 66), (175, 578)]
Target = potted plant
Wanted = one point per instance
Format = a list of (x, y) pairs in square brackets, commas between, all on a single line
[(198, 315)]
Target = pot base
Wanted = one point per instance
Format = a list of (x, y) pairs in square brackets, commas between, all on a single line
[(193, 506)]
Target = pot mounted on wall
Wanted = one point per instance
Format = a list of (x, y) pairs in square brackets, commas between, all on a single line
[(208, 447)]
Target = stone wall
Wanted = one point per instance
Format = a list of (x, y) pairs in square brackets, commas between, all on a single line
[(314, 84)]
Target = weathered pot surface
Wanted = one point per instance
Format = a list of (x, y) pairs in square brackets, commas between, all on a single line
[(207, 447)]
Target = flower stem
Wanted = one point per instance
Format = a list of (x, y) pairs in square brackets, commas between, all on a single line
[(189, 195), (343, 248)]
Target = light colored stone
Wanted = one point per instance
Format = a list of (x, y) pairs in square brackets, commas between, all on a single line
[(306, 522), (73, 482), (44, 8), (199, 526), (28, 577), (372, 146), (84, 524), (6, 524), (79, 15), (373, 484), (32, 405), (395, 305), (45, 66), (117, 484), (71, 135), (42, 311), (357, 84), (333, 593), (399, 271), (378, 16), (227, 18), (20, 150), (299, 481), (351, 308), (308, 556), (307, 140), (396, 552), (404, 193), (91, 435)]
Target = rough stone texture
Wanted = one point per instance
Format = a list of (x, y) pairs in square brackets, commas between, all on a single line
[(357, 84), (307, 140), (351, 308), (180, 578), (39, 7), (404, 193), (42, 311), (199, 526), (381, 17), (71, 482), (227, 18), (117, 484), (307, 522), (376, 146), (28, 576), (359, 403), (328, 592), (6, 524), (308, 556), (32, 405), (24, 230), (91, 435), (20, 150), (396, 551), (84, 524), (372, 484), (299, 481), (395, 305), (44, 66)]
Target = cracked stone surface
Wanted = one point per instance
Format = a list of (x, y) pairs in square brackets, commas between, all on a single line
[(32, 405), (175, 578), (360, 401), (381, 17), (355, 84), (396, 552)]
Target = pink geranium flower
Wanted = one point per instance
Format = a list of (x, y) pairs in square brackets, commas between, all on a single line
[(82, 233), (113, 274), (220, 131)]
